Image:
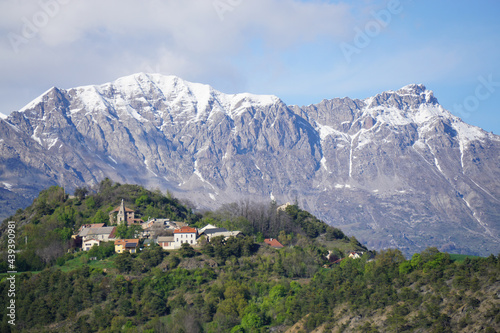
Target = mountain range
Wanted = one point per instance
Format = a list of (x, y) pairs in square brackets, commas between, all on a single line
[(395, 169)]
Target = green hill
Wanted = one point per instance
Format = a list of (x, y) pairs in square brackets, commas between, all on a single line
[(234, 285)]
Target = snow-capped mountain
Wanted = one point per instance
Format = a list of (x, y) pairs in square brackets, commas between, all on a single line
[(395, 170)]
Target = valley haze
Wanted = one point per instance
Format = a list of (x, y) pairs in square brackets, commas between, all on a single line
[(395, 169)]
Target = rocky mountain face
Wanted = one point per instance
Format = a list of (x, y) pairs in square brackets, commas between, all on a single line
[(395, 170)]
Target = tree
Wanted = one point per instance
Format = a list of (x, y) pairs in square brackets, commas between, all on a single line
[(81, 193), (121, 231), (152, 256), (104, 250), (142, 200), (186, 251), (124, 262), (100, 217)]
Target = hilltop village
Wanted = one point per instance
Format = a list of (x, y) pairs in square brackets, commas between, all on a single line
[(170, 235)]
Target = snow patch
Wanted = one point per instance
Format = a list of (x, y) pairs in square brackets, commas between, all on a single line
[(467, 133), (198, 173), (7, 186), (146, 162), (481, 223), (323, 163), (485, 191), (363, 139), (135, 114), (325, 131), (36, 101), (52, 142), (350, 153), (37, 139), (13, 126), (462, 148), (368, 101), (76, 110), (436, 162)]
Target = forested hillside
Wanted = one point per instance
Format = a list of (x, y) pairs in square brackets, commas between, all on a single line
[(234, 285)]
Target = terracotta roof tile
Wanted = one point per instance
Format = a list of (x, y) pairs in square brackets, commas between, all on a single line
[(273, 242), (185, 230)]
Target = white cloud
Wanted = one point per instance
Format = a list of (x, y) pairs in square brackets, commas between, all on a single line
[(82, 42)]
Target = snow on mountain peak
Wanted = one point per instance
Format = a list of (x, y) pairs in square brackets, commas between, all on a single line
[(415, 104), (418, 90), (414, 89), (36, 101), (180, 95), (412, 103), (139, 94)]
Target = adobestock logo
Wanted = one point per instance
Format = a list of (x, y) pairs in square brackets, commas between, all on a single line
[(223, 6), (32, 26), (483, 91), (363, 37)]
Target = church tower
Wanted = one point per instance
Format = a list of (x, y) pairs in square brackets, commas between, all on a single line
[(122, 214)]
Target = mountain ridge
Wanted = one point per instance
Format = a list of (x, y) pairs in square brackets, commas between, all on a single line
[(395, 169)]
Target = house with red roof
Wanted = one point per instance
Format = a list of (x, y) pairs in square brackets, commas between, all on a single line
[(185, 235), (273, 242), (130, 245)]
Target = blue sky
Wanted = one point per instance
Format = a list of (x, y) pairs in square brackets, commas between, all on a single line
[(293, 49)]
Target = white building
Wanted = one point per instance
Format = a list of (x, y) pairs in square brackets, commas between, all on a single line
[(185, 235), (87, 245)]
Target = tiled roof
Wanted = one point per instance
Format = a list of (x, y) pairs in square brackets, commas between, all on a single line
[(101, 231), (95, 225), (165, 239), (117, 209), (208, 226), (125, 241), (113, 233), (273, 242), (185, 230), (214, 231)]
